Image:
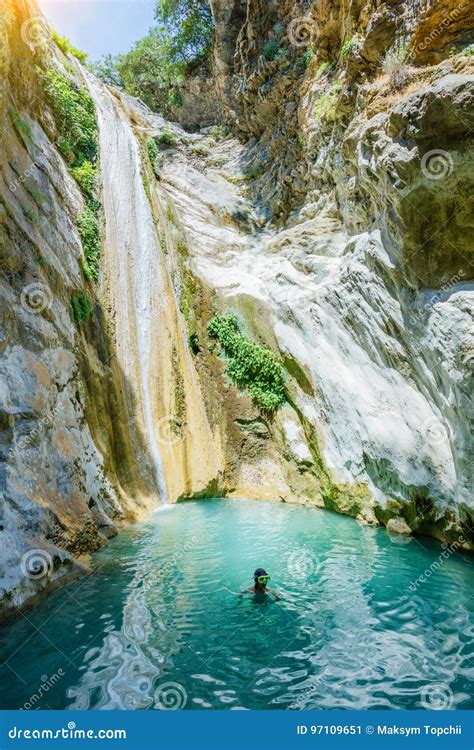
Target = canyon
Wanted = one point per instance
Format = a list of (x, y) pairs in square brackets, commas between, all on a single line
[(325, 200)]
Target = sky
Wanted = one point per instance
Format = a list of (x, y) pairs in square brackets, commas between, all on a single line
[(100, 26)]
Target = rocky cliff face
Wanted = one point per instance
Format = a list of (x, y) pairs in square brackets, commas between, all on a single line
[(334, 222)]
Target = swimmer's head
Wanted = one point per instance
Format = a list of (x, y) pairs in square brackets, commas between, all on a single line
[(261, 577)]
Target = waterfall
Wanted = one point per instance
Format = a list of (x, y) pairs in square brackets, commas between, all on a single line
[(132, 279)]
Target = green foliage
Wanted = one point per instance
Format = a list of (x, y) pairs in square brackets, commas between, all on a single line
[(152, 149), (189, 26), (326, 105), (252, 367), (349, 46), (156, 66), (67, 48), (304, 60), (325, 67), (394, 64), (254, 172), (219, 132), (202, 149), (21, 126), (85, 175), (81, 307), (468, 51), (167, 138), (74, 113), (107, 70), (88, 225), (174, 98), (271, 49)]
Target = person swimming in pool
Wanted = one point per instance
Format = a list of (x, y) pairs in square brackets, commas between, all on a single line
[(260, 589)]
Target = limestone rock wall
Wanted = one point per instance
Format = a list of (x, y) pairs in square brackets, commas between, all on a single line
[(356, 259), (73, 467), (334, 222)]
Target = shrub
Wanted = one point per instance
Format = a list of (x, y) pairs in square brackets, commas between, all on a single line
[(74, 113), (395, 65), (271, 49), (252, 367), (21, 126), (326, 105), (88, 225), (325, 67), (167, 138), (67, 48), (81, 307), (174, 98), (254, 172), (85, 176), (152, 149), (349, 46), (219, 132), (304, 60)]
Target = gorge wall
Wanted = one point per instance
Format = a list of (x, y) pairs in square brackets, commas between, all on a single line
[(328, 208)]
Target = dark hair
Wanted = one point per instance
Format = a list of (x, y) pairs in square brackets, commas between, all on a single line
[(260, 572)]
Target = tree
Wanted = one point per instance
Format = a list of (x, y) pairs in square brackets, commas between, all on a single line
[(190, 27), (156, 66), (106, 70)]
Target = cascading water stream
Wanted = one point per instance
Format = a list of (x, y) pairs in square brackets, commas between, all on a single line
[(132, 274)]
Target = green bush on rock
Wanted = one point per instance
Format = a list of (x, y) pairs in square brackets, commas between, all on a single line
[(88, 225), (85, 176), (252, 367), (74, 113), (68, 49), (81, 307)]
